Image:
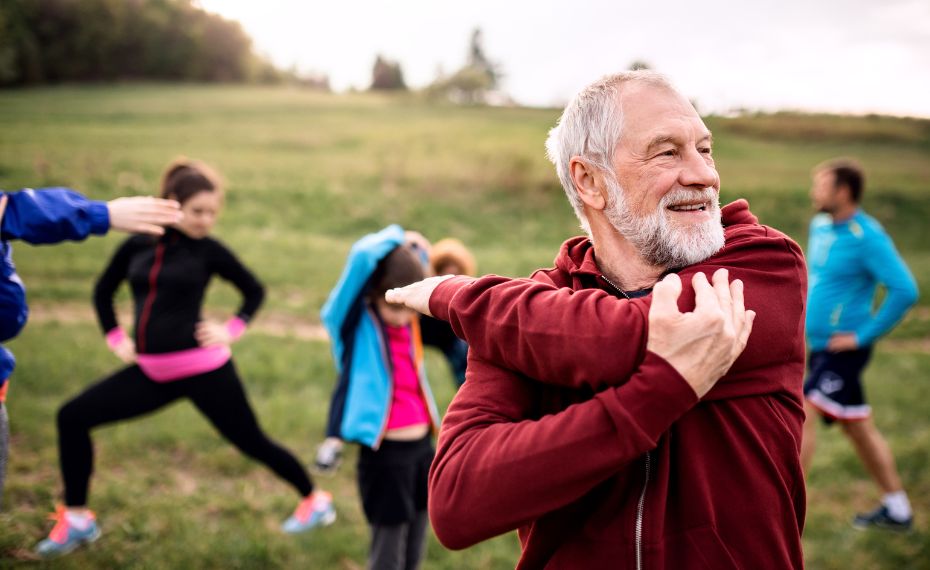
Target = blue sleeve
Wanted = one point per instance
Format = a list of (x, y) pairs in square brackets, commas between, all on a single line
[(51, 215), (362, 261), (7, 364), (884, 264)]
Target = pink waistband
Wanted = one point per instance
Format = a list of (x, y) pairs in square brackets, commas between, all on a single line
[(170, 366)]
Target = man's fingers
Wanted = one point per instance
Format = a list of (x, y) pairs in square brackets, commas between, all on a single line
[(3, 200), (705, 298), (148, 229), (665, 295), (749, 318), (721, 285), (737, 299)]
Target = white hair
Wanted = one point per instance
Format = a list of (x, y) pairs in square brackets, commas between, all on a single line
[(590, 127)]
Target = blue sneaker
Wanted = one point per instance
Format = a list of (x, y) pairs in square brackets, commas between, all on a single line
[(65, 537), (880, 518), (315, 510)]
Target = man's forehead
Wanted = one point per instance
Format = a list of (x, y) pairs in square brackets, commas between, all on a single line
[(655, 114)]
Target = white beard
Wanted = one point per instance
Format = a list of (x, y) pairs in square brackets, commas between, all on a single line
[(660, 241)]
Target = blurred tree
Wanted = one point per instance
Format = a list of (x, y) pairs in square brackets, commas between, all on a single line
[(96, 40), (639, 64), (474, 81), (387, 75)]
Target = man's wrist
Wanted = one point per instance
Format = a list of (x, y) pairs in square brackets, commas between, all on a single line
[(441, 298)]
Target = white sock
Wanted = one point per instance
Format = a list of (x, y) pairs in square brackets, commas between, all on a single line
[(899, 508), (79, 520)]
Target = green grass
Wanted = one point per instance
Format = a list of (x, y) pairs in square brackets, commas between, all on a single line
[(309, 173)]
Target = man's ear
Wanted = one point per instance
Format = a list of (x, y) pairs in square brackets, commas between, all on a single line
[(589, 183), (843, 192)]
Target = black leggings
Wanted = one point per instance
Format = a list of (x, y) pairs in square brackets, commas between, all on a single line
[(129, 393)]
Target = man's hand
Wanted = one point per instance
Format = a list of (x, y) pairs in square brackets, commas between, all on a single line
[(416, 295), (843, 342), (209, 333), (125, 350), (703, 344), (143, 214), (3, 201)]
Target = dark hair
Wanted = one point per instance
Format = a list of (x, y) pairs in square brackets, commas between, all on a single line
[(399, 268), (185, 177), (846, 173)]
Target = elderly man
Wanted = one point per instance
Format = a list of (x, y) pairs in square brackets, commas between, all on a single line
[(576, 425)]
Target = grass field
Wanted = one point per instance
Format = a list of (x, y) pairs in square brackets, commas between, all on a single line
[(308, 174)]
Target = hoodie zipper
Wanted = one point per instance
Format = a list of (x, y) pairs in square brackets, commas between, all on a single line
[(640, 507), (150, 298), (614, 285)]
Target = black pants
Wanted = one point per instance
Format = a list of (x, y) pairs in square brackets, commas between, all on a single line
[(392, 483), (129, 393)]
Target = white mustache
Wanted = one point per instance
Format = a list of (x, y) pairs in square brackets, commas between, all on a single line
[(682, 196)]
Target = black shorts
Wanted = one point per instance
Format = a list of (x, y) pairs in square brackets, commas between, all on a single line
[(392, 481), (834, 384)]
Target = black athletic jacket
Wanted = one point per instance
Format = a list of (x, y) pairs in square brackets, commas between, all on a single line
[(168, 277)]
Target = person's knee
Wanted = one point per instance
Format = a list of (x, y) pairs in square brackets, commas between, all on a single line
[(71, 416), (859, 430)]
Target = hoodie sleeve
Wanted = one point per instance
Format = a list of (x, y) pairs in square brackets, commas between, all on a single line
[(362, 261), (885, 265), (485, 479), (109, 281), (228, 266), (51, 215), (591, 338)]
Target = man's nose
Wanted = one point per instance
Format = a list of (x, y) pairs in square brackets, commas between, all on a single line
[(697, 172)]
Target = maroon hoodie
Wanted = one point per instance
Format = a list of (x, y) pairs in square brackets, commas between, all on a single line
[(597, 450)]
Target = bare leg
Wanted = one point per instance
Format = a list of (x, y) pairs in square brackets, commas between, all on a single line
[(809, 437), (874, 453)]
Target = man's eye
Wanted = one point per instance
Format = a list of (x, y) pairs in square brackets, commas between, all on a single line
[(704, 150), (670, 152)]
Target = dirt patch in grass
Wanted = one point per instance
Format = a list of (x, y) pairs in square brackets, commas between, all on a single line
[(276, 324)]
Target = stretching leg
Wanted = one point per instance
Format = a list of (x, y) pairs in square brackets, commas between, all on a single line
[(220, 397), (875, 454), (126, 394)]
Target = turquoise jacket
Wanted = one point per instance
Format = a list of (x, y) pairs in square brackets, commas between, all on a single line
[(847, 261), (361, 401)]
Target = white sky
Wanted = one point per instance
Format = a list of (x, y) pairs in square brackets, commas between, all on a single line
[(854, 56)]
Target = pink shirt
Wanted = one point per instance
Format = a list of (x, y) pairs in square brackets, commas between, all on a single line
[(408, 407)]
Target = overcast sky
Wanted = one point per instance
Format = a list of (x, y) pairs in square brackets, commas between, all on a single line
[(853, 56)]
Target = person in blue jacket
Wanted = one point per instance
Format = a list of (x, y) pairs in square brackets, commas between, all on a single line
[(848, 256), (382, 399), (48, 216)]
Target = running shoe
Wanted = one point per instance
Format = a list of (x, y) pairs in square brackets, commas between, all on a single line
[(880, 518), (315, 510), (65, 537), (328, 456)]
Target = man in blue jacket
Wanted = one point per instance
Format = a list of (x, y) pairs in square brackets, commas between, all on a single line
[(848, 256), (48, 216)]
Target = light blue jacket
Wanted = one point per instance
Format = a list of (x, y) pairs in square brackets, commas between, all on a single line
[(847, 260), (361, 401)]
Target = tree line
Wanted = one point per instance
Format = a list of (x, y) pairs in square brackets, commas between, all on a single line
[(50, 41)]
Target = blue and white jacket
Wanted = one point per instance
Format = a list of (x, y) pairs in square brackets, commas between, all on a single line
[(847, 260), (361, 401), (48, 215)]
